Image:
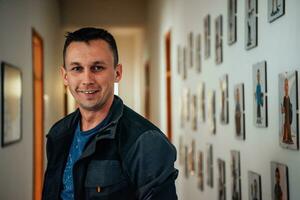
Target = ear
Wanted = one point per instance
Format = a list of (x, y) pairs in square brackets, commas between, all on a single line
[(63, 73), (118, 73)]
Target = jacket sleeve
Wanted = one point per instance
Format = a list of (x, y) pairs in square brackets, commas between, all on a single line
[(150, 166)]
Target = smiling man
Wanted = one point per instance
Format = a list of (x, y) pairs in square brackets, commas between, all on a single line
[(104, 150)]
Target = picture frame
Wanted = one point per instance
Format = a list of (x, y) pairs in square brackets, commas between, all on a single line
[(186, 162), (254, 186), (224, 102), (184, 61), (207, 34), (191, 158), (239, 111), (236, 191), (212, 112), (198, 54), (209, 166), (276, 9), (201, 98), (179, 60), (221, 180), (260, 94), (194, 108), (289, 110), (251, 24), (279, 181), (181, 150), (219, 40), (191, 49), (11, 104), (231, 21), (200, 177)]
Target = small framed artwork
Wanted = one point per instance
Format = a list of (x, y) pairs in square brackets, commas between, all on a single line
[(181, 151), (191, 49), (279, 181), (11, 104), (232, 19), (260, 94), (179, 59), (224, 113), (184, 62), (186, 169), (251, 24), (239, 111), (212, 111), (191, 158), (289, 110), (276, 9), (254, 185), (200, 178), (194, 108), (201, 98), (209, 168), (219, 39), (236, 175), (198, 54), (221, 180), (182, 110), (207, 36)]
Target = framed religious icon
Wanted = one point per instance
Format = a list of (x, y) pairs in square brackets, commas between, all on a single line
[(251, 24), (224, 113), (254, 186), (231, 21), (191, 158), (289, 110), (207, 36), (239, 111), (260, 97), (235, 175), (221, 180), (191, 49), (201, 98), (209, 165), (200, 177), (184, 64), (219, 39), (194, 108), (279, 181), (198, 54), (212, 111), (276, 9), (11, 104)]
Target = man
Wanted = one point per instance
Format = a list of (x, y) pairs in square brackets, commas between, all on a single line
[(286, 109), (104, 150)]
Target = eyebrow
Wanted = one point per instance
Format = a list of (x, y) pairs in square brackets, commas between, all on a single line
[(94, 63)]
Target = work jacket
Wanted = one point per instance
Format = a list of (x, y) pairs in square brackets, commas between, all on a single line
[(129, 158)]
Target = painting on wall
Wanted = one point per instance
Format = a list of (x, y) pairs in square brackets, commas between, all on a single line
[(239, 111), (279, 181), (219, 39), (212, 112), (194, 108), (207, 36), (181, 150), (191, 49), (11, 104), (235, 175), (179, 59), (232, 19), (186, 169), (260, 94), (200, 177), (251, 24), (209, 165), (201, 98), (221, 180), (276, 9), (254, 186), (198, 54), (224, 113), (191, 158), (289, 110), (184, 62)]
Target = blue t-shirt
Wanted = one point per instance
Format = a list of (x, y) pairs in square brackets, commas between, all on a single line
[(79, 141)]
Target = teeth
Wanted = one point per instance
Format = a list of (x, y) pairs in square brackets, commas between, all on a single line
[(87, 92)]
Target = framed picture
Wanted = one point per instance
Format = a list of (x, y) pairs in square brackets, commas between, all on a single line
[(11, 104), (186, 169), (194, 108), (181, 150), (232, 21), (219, 39), (254, 185), (236, 175), (224, 113), (260, 94), (191, 158), (200, 177), (221, 180), (279, 181), (198, 53), (251, 24), (239, 111), (276, 9), (201, 98), (207, 36), (191, 49), (209, 166), (289, 110), (179, 59), (212, 111), (184, 66)]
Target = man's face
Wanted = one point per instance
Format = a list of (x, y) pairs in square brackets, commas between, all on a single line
[(90, 73)]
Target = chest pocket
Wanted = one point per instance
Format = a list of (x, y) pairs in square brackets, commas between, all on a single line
[(105, 180)]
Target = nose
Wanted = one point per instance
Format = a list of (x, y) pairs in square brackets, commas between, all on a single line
[(88, 78)]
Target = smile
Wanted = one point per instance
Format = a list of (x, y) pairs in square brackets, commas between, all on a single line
[(87, 91)]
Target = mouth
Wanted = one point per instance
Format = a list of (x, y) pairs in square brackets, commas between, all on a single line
[(87, 91)]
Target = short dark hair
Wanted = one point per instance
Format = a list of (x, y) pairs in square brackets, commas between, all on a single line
[(89, 33)]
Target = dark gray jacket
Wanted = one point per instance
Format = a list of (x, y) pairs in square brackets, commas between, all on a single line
[(129, 158)]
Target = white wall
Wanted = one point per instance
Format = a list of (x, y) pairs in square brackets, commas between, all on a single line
[(16, 20), (277, 44)]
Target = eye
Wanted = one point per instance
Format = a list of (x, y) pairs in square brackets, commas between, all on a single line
[(97, 68), (77, 68)]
